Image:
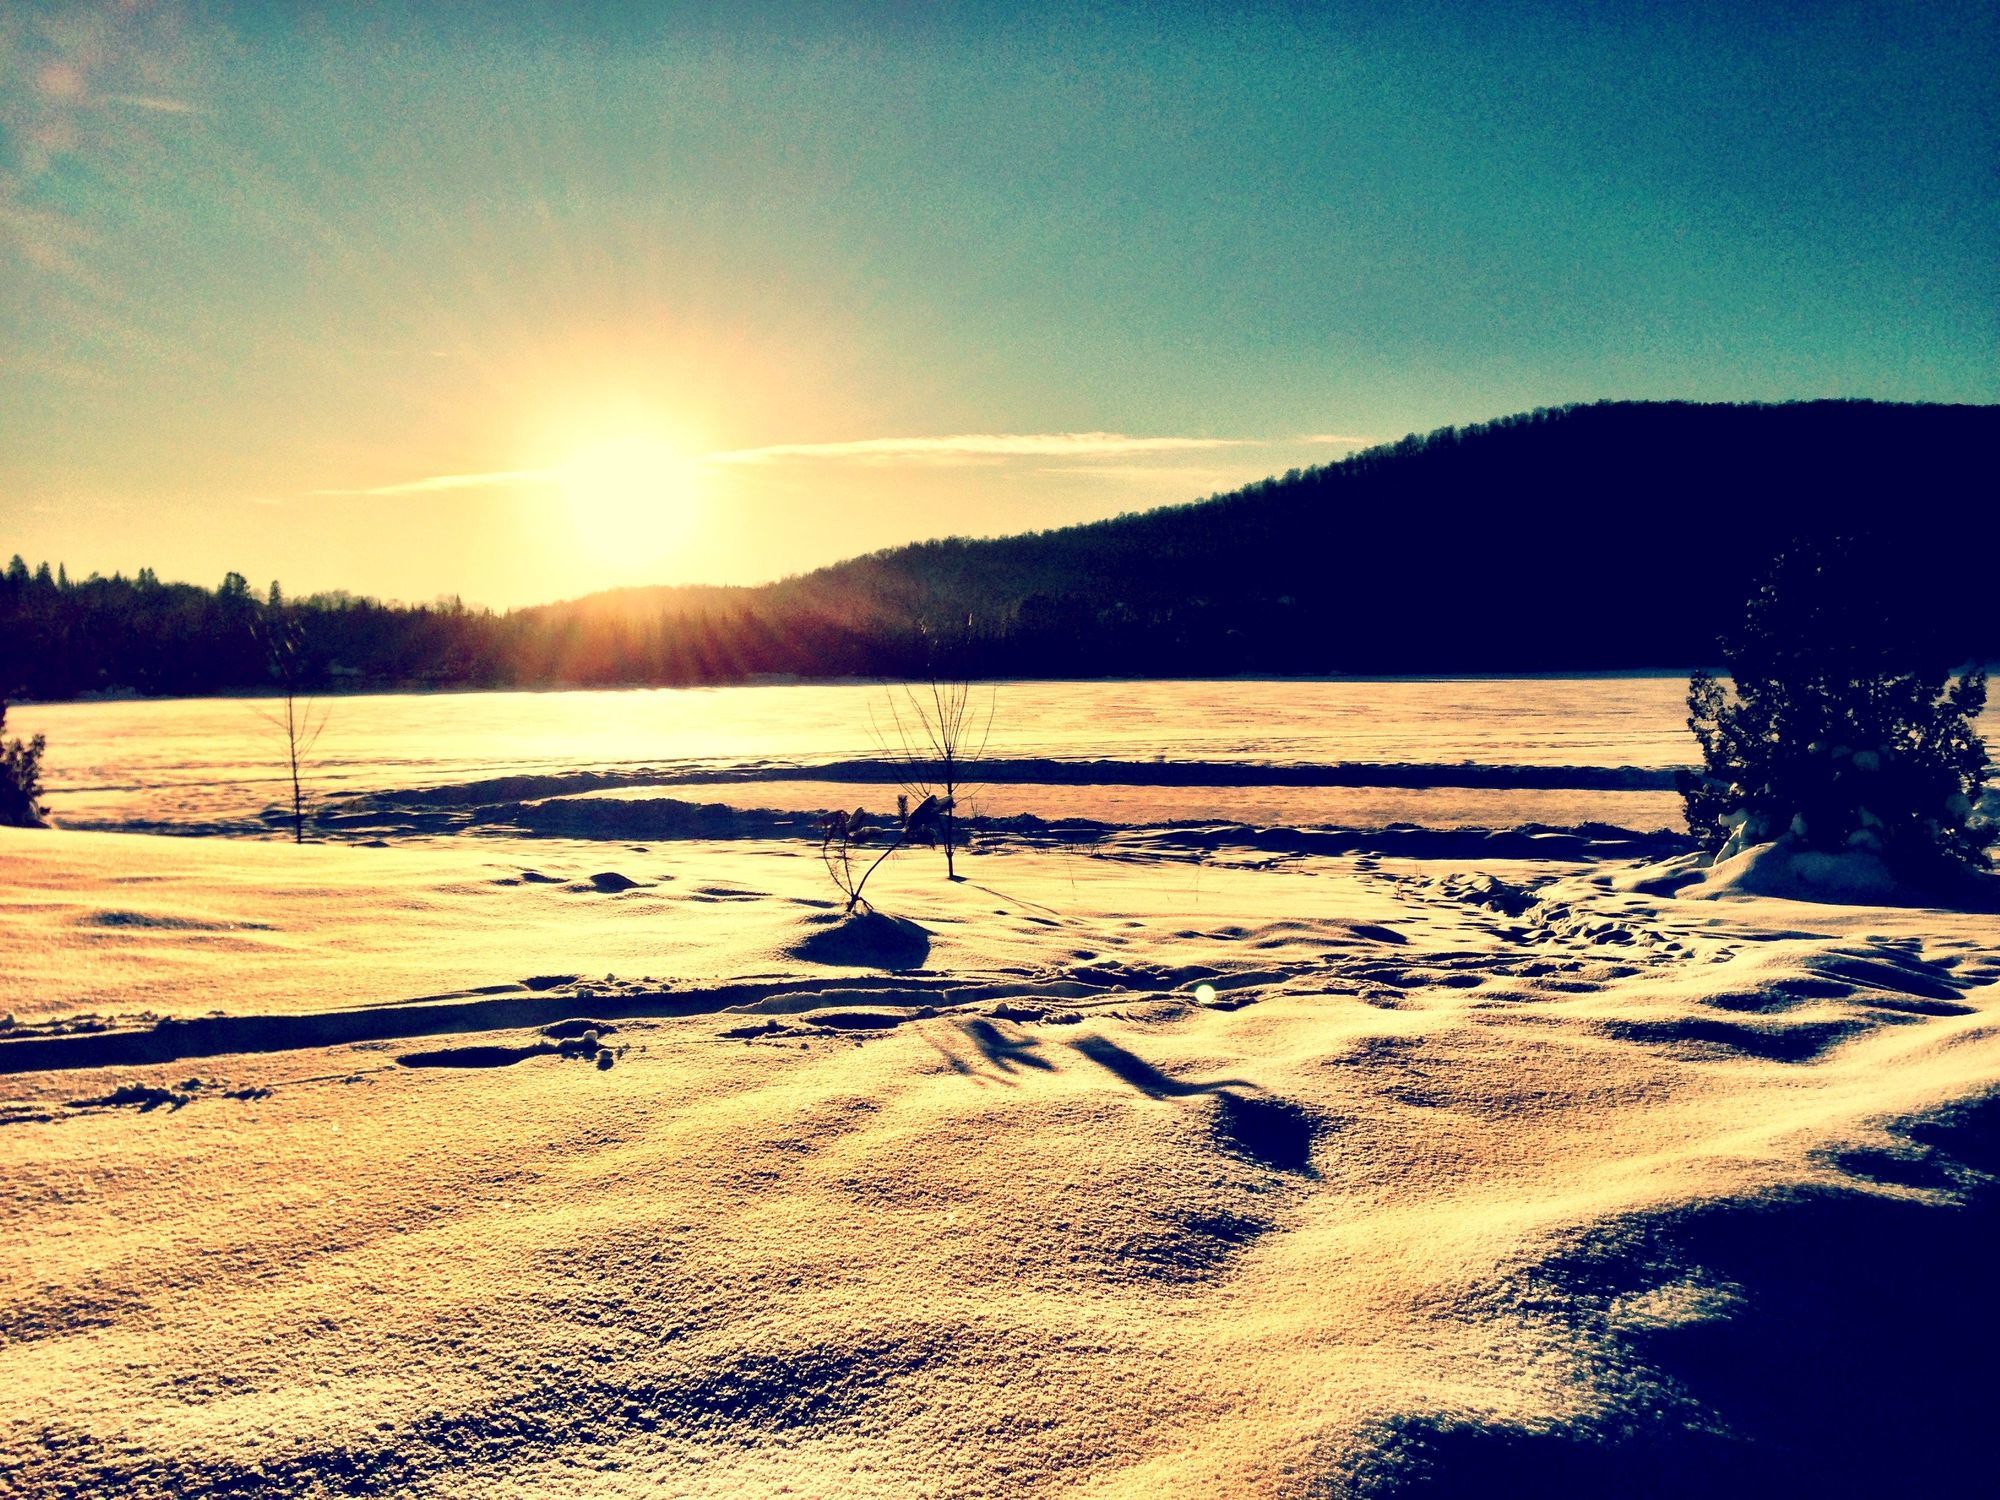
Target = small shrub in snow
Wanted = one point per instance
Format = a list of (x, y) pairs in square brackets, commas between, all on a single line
[(839, 848), (1840, 726), (20, 778)]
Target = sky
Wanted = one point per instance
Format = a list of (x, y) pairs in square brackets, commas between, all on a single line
[(516, 302)]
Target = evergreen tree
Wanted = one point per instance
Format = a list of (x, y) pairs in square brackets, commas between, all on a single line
[(20, 778), (1842, 726)]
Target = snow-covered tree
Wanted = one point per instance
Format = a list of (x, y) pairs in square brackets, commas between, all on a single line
[(1841, 724), (20, 779)]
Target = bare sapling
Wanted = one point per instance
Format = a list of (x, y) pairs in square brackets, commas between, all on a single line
[(842, 829), (937, 733), (299, 718)]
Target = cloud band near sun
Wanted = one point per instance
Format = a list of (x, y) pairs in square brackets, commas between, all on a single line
[(978, 445), (967, 447)]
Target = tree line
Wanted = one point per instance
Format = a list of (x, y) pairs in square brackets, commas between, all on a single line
[(62, 638), (1614, 535)]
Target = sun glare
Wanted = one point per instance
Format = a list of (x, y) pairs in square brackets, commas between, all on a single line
[(631, 499)]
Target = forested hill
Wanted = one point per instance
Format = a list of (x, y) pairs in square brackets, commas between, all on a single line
[(1604, 536), (1620, 534)]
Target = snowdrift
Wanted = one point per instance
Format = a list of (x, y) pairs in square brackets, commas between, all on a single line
[(458, 1171)]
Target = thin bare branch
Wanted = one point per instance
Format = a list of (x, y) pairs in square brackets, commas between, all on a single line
[(939, 738)]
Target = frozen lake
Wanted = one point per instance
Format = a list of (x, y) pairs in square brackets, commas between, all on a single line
[(211, 762)]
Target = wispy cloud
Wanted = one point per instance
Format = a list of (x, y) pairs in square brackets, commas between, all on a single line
[(976, 445), (437, 483), (159, 104), (969, 448), (974, 448), (73, 79)]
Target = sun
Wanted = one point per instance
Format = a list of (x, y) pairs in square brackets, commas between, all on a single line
[(632, 499)]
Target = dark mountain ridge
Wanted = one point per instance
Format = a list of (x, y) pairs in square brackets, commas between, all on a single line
[(1614, 535)]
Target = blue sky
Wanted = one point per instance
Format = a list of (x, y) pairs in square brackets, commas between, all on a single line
[(363, 300)]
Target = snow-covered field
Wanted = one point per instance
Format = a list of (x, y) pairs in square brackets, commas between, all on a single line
[(594, 1156)]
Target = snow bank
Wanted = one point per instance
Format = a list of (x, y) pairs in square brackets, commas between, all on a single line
[(1324, 1175), (865, 940), (1785, 870)]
